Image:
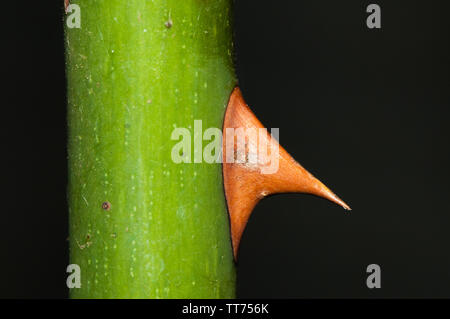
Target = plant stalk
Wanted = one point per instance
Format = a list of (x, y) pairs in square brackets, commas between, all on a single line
[(142, 226)]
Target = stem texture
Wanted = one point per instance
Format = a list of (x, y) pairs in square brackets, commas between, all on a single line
[(142, 226)]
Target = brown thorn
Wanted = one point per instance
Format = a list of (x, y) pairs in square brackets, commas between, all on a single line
[(245, 184), (66, 5)]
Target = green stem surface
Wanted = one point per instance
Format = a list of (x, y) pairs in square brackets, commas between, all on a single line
[(142, 226)]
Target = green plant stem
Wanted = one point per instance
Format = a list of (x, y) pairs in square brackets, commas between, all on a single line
[(142, 226)]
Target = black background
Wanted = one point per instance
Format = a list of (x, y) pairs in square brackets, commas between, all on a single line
[(366, 111)]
